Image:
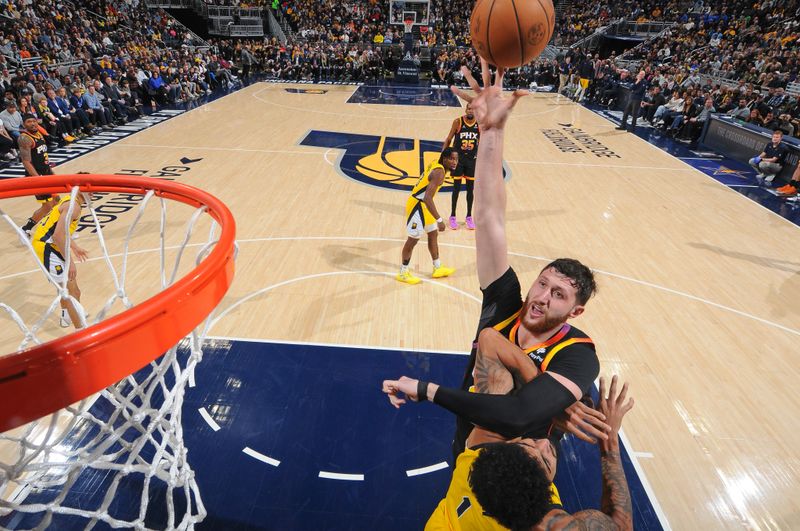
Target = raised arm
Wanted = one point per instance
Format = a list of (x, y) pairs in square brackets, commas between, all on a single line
[(616, 514), (491, 110)]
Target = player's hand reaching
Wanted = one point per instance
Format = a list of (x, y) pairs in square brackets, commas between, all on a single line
[(614, 407), (79, 254), (490, 106), (583, 422)]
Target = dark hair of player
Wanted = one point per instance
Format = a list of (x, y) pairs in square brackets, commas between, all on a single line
[(446, 152), (580, 275), (510, 485)]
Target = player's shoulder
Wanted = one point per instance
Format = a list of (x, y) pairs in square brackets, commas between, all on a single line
[(576, 333)]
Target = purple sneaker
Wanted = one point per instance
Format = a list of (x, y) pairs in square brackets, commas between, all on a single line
[(453, 223), (470, 223)]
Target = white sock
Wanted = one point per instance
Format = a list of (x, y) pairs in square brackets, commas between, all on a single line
[(403, 269), (437, 263)]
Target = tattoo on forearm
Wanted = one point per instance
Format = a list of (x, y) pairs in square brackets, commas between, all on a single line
[(491, 376), (616, 500)]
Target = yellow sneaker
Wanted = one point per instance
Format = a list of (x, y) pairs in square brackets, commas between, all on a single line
[(442, 271), (407, 277)]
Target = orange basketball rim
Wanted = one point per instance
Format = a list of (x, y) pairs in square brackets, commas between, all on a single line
[(47, 377)]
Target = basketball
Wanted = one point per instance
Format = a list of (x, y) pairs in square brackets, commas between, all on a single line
[(511, 33)]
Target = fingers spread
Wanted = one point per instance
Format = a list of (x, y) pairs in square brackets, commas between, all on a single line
[(471, 80), (464, 95), (487, 78), (498, 77)]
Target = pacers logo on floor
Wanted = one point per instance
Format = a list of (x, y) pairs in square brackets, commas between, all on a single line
[(389, 162)]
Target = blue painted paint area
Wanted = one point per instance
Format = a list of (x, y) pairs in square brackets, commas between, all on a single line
[(734, 174), (315, 409), (320, 408), (386, 162), (401, 174), (305, 91), (404, 95)]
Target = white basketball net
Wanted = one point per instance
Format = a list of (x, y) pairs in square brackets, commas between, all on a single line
[(128, 437)]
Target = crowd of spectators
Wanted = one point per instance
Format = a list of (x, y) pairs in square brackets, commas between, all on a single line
[(82, 69)]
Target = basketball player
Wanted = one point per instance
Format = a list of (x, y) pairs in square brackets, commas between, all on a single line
[(508, 484), (538, 326), (33, 152), (422, 216), (50, 238), (467, 135)]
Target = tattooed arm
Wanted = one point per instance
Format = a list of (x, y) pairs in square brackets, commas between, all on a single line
[(616, 507), (25, 146), (500, 365)]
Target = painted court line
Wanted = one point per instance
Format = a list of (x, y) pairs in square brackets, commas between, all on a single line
[(643, 455), (651, 495), (341, 477), (338, 345), (211, 422), (261, 457), (442, 244), (427, 469)]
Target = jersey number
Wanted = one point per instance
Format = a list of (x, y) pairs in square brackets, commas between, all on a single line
[(463, 506), (467, 145)]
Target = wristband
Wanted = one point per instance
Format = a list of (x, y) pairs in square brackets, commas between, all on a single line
[(440, 220), (422, 391)]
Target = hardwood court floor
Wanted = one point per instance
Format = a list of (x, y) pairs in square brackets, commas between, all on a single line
[(697, 306)]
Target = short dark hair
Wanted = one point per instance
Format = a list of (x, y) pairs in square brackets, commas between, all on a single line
[(580, 275), (446, 152), (510, 485)]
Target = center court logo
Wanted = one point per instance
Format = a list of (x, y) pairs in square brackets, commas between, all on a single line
[(388, 162)]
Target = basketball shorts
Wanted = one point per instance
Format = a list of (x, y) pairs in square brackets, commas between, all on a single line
[(419, 219), (44, 198), (584, 83), (52, 260), (465, 168)]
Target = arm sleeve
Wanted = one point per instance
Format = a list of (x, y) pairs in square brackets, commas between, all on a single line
[(510, 416)]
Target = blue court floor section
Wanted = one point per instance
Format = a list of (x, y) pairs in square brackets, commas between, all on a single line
[(308, 409), (733, 174), (320, 408), (404, 95)]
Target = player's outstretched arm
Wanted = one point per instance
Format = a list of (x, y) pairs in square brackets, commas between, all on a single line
[(616, 514), (491, 110)]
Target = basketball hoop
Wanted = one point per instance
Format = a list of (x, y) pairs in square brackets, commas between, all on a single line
[(408, 24), (132, 426)]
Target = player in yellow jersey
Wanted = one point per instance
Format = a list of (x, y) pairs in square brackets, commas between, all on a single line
[(423, 217), (49, 239), (535, 458)]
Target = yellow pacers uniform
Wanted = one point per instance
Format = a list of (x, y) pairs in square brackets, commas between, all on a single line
[(42, 239), (418, 218), (461, 510)]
